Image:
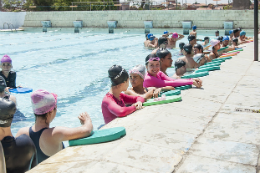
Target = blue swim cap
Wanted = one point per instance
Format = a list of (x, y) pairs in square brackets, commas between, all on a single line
[(149, 35), (194, 27), (165, 32), (242, 33), (225, 38), (152, 38), (230, 32)]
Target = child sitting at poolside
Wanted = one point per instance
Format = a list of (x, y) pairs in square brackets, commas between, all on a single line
[(113, 104), (155, 78), (6, 73), (137, 78)]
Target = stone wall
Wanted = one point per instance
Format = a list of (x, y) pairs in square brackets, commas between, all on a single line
[(134, 19), (15, 18)]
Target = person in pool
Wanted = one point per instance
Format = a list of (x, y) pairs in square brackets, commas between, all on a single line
[(166, 34), (188, 57), (220, 38), (162, 43), (181, 48), (174, 38), (180, 69), (48, 141), (193, 32), (206, 42), (217, 34), (225, 43), (231, 35), (113, 104), (152, 42), (137, 78), (20, 153), (215, 47), (155, 78), (236, 33), (4, 93), (199, 57), (147, 40), (6, 73), (242, 38), (192, 40), (165, 59)]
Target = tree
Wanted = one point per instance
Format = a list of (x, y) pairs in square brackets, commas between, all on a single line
[(241, 4)]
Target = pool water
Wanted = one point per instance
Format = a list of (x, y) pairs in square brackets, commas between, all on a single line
[(74, 66)]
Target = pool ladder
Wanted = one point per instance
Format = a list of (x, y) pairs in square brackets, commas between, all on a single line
[(9, 26)]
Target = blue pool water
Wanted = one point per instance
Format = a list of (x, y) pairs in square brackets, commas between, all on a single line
[(74, 66)]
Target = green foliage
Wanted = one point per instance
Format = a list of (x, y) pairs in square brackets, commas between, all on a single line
[(11, 5)]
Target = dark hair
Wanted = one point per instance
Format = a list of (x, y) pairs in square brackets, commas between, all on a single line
[(179, 63), (43, 116), (117, 75), (198, 46), (148, 57), (187, 48), (217, 32), (206, 38), (162, 53), (181, 45), (162, 40)]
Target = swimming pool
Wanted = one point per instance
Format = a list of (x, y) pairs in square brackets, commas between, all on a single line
[(74, 66)]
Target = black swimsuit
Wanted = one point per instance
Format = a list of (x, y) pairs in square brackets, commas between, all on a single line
[(10, 80), (20, 154), (35, 136)]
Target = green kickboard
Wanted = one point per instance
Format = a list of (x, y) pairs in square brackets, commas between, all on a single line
[(213, 63), (225, 58), (172, 67), (169, 99), (218, 60), (209, 65), (223, 48), (212, 68), (196, 75), (100, 136), (172, 92), (184, 87), (235, 51)]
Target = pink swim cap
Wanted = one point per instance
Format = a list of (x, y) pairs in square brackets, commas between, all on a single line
[(175, 35), (43, 101), (6, 58)]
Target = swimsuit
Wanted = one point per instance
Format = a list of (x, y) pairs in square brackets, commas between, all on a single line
[(113, 108), (161, 80), (10, 80), (20, 154), (35, 136)]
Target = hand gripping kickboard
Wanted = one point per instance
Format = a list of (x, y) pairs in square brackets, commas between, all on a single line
[(168, 99), (172, 92), (212, 68), (196, 75), (100, 136), (21, 90)]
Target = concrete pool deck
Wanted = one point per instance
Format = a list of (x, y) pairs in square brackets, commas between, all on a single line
[(212, 129)]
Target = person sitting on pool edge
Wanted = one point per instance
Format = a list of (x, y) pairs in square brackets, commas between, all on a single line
[(113, 104), (6, 73), (137, 78), (20, 153), (174, 38), (188, 58), (162, 43), (215, 47), (155, 78), (152, 42), (48, 141), (180, 69), (181, 48)]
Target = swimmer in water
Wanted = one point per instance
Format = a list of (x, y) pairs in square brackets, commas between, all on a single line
[(236, 33), (48, 141), (174, 38), (165, 59), (162, 43), (4, 92), (225, 43), (199, 57), (217, 34), (152, 42), (166, 34), (242, 38), (113, 104), (137, 78), (180, 69), (147, 40), (6, 73), (215, 47), (193, 32), (188, 58), (20, 153), (181, 48), (231, 36), (220, 38), (192, 40), (206, 41), (155, 78)]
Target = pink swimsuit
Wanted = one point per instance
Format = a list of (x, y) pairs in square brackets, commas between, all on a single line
[(162, 80), (113, 108)]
